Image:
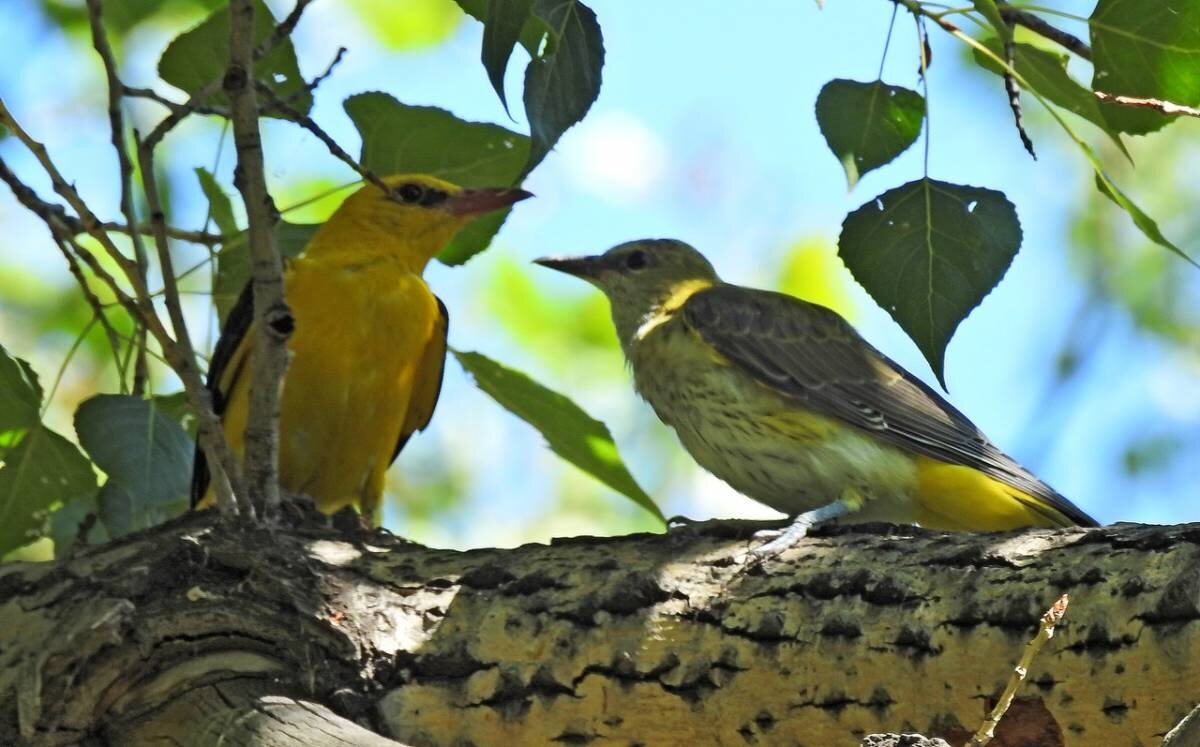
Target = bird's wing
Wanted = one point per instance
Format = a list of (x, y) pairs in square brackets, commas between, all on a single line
[(809, 353), (427, 381), (224, 370)]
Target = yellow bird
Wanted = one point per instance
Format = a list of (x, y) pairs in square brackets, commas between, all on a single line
[(369, 343), (784, 401)]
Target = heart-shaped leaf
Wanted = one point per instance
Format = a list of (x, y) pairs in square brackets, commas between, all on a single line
[(868, 124), (928, 252)]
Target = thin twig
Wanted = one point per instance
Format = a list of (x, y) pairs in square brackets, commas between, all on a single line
[(307, 123), (117, 127), (1013, 89), (273, 320), (1158, 105), (279, 33), (1045, 632), (114, 339), (1042, 28), (312, 85)]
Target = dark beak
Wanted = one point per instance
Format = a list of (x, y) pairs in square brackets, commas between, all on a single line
[(580, 267), (474, 202)]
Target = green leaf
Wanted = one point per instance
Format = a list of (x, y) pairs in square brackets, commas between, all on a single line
[(199, 56), (866, 125), (176, 407), (219, 206), (1144, 222), (562, 83), (988, 9), (1148, 49), (146, 455), (532, 33), (41, 470), (402, 139), (501, 32), (233, 261), (1046, 73), (20, 397), (569, 431), (928, 252)]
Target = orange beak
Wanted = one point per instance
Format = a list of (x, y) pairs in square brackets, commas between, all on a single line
[(475, 202)]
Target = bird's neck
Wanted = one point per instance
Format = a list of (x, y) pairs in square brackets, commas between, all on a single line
[(352, 240), (634, 327)]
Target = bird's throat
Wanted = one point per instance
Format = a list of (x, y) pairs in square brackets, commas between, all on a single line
[(671, 302)]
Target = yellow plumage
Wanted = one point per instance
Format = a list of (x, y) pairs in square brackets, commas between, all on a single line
[(369, 342)]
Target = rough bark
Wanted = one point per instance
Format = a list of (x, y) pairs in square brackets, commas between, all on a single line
[(198, 630)]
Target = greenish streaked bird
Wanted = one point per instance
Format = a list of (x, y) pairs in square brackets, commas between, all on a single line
[(783, 400)]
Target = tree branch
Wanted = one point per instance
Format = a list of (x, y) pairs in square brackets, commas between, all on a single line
[(1042, 28), (1158, 105), (273, 320), (656, 639)]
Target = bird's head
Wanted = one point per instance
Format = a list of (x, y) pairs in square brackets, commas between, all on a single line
[(417, 212), (643, 279)]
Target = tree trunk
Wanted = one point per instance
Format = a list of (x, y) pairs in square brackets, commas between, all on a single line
[(197, 631)]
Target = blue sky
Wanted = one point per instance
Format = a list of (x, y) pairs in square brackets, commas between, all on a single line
[(704, 130)]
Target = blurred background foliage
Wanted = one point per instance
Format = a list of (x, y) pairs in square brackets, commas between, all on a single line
[(1084, 363)]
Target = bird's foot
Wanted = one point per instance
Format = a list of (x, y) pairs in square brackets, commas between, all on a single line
[(682, 526), (781, 540)]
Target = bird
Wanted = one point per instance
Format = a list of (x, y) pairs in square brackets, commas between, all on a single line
[(368, 346), (784, 401)]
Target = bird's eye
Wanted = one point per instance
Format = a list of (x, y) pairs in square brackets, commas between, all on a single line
[(636, 260), (410, 193)]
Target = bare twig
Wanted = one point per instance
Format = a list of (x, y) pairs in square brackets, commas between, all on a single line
[(1013, 89), (1158, 105), (1039, 26), (1045, 632), (279, 33), (272, 318), (312, 85), (114, 339), (117, 127), (307, 123)]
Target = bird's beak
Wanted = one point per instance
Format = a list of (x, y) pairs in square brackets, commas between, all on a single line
[(474, 202), (581, 267)]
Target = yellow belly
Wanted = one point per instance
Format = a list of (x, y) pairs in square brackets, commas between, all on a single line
[(360, 332)]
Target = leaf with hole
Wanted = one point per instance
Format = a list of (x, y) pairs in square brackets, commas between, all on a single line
[(402, 139), (569, 431), (146, 456), (866, 125), (562, 83), (1146, 49), (199, 56), (928, 252)]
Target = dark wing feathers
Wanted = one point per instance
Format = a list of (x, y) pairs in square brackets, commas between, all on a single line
[(810, 353), (237, 325), (425, 398)]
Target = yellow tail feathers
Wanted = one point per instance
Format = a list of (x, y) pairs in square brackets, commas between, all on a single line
[(957, 498)]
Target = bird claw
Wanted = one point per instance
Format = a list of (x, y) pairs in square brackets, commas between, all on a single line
[(781, 540)]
